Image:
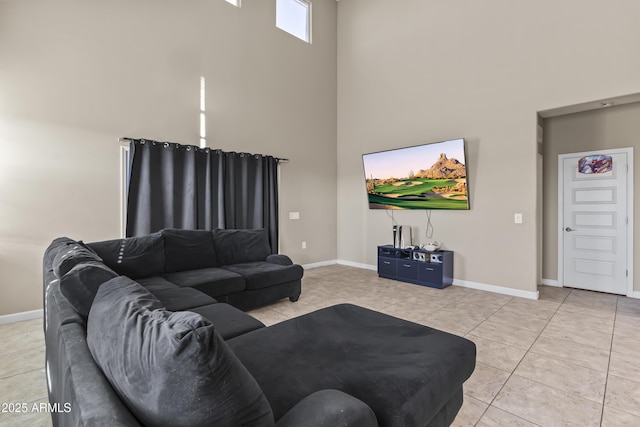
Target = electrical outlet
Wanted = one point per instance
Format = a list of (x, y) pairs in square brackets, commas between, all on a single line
[(517, 218), (304, 245), (294, 215)]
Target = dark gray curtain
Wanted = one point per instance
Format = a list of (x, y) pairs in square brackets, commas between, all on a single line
[(183, 186)]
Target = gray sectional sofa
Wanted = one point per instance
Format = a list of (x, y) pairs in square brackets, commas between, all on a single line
[(233, 266), (162, 350)]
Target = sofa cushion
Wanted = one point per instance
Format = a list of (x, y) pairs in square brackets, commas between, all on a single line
[(139, 256), (170, 368), (156, 283), (212, 281), (188, 249), (237, 246), (262, 274), (229, 321), (70, 254), (80, 285), (177, 299)]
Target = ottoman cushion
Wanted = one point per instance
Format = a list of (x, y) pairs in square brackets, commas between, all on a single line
[(404, 371)]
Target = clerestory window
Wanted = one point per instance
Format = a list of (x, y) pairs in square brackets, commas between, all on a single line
[(294, 17)]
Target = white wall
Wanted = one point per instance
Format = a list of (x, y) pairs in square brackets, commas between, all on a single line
[(76, 75), (420, 71)]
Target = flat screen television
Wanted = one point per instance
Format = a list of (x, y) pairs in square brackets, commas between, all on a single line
[(428, 176)]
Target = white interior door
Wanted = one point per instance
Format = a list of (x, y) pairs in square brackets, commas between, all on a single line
[(594, 221)]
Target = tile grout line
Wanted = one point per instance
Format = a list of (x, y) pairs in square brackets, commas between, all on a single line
[(518, 364), (606, 380), (609, 367), (489, 405), (510, 373), (23, 373)]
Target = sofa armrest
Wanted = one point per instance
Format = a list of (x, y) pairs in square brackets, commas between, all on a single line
[(279, 259), (329, 408)]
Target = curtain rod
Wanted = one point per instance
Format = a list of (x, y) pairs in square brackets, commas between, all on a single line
[(125, 139)]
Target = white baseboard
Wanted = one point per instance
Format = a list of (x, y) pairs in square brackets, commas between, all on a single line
[(320, 264), (340, 262), (19, 317), (358, 265), (463, 283), (551, 282), (497, 289)]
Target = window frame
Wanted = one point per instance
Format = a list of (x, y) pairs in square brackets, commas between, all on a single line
[(309, 18)]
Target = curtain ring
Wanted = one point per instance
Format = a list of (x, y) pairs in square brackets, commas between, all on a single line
[(166, 145), (188, 148), (142, 142)]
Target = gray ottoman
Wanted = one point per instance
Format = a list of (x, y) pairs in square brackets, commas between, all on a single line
[(409, 374)]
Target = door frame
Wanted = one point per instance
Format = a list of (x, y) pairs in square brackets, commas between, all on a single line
[(629, 152)]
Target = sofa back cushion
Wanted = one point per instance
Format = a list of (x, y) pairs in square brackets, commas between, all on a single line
[(170, 368), (188, 250), (236, 246), (139, 256), (80, 285), (70, 253)]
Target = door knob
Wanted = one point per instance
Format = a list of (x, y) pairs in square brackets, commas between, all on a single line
[(569, 229)]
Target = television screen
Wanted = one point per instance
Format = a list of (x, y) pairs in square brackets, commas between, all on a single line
[(429, 176)]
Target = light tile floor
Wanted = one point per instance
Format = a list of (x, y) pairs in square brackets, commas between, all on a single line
[(570, 358)]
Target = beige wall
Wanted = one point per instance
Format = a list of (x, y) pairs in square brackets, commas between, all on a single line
[(615, 127), (419, 71), (76, 75)]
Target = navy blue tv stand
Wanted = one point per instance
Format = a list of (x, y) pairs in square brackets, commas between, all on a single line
[(414, 266)]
